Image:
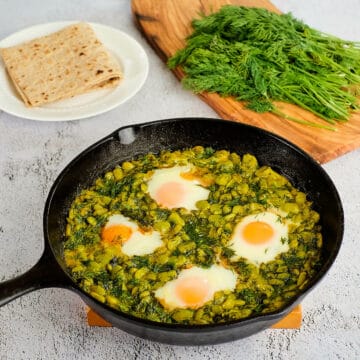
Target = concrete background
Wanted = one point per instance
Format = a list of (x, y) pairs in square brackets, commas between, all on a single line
[(51, 323)]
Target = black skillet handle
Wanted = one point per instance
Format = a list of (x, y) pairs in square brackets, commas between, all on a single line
[(45, 273)]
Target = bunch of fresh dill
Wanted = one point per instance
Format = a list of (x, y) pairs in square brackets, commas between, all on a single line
[(260, 57)]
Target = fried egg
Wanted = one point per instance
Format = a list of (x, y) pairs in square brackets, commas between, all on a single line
[(171, 188), (121, 231), (195, 286), (259, 238)]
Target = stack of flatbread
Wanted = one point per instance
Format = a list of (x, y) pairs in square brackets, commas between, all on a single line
[(61, 65)]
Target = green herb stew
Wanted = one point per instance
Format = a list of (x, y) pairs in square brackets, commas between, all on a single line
[(193, 236)]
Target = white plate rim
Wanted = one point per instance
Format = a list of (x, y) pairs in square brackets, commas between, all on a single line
[(13, 105)]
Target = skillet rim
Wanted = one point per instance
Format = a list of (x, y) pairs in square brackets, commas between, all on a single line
[(203, 328)]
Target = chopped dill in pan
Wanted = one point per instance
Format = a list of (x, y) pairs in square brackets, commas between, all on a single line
[(252, 243)]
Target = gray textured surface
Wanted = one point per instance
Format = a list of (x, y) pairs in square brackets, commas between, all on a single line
[(50, 324)]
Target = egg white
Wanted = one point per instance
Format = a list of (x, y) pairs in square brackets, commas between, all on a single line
[(139, 243), (217, 277), (260, 253), (193, 190)]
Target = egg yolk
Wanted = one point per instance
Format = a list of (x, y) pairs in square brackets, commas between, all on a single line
[(116, 234), (170, 194), (197, 177), (193, 292), (257, 232)]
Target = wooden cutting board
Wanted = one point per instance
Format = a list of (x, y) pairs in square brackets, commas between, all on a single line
[(166, 24)]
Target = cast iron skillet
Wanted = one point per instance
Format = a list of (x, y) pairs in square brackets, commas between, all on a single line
[(130, 141)]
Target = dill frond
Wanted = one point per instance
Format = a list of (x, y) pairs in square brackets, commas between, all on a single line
[(260, 57)]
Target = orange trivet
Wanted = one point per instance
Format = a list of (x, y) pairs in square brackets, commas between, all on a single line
[(291, 321)]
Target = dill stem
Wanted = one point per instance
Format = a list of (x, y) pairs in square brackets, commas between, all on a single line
[(277, 112), (301, 104)]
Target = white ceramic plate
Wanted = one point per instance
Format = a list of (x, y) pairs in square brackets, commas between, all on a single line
[(129, 53)]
